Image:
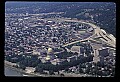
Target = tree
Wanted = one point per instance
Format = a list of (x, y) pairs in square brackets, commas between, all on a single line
[(89, 58), (62, 75), (38, 69), (54, 40), (80, 70), (22, 66), (75, 53), (66, 69), (87, 70), (51, 72)]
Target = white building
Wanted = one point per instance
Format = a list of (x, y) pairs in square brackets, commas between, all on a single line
[(50, 51), (75, 49), (55, 61), (36, 52)]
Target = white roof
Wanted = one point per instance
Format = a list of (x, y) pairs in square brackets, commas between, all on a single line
[(75, 48)]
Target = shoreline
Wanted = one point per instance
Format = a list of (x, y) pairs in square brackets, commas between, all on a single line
[(17, 69), (7, 64), (24, 74)]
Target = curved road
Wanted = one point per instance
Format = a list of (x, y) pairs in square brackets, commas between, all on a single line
[(97, 31)]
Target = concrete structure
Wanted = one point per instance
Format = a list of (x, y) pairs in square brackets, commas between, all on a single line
[(43, 60), (96, 57), (112, 37), (104, 32), (75, 49), (47, 57)]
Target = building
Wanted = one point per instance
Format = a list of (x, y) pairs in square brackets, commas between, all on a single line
[(72, 58), (43, 60), (82, 50), (75, 49), (90, 29), (102, 60), (55, 61), (36, 52), (43, 52), (47, 57), (50, 51), (96, 57), (104, 52)]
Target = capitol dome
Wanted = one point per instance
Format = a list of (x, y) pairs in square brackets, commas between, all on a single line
[(50, 50)]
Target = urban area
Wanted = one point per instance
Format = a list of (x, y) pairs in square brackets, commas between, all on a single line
[(49, 45)]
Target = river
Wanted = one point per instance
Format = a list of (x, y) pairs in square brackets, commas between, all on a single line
[(8, 71)]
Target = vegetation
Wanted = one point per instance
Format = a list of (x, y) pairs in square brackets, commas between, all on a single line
[(64, 55)]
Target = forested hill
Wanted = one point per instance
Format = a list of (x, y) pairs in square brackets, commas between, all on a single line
[(101, 13)]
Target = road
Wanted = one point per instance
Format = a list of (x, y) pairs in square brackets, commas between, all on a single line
[(97, 31)]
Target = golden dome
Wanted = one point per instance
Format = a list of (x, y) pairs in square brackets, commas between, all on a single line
[(50, 50)]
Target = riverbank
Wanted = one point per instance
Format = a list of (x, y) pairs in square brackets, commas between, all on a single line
[(24, 74), (9, 64), (8, 71)]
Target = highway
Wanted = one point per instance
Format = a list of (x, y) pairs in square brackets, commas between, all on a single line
[(97, 31)]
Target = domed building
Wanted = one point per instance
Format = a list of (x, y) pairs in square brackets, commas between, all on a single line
[(50, 51), (47, 58)]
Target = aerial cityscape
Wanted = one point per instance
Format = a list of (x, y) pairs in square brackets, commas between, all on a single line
[(60, 39)]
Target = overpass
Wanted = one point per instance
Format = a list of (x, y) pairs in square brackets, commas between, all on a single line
[(97, 31)]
